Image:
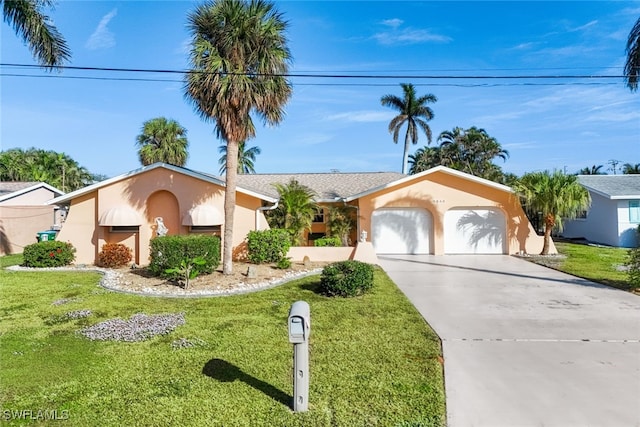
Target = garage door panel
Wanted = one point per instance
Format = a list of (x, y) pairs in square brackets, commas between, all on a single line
[(401, 231), (474, 231)]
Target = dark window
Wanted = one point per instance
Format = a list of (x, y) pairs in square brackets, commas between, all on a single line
[(319, 216), (125, 228), (210, 229)]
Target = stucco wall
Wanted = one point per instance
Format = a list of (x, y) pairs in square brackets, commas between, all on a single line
[(439, 192), (19, 225), (627, 230), (35, 197), (600, 224), (157, 192)]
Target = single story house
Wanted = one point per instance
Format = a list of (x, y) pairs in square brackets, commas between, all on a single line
[(439, 211), (614, 215), (24, 213)]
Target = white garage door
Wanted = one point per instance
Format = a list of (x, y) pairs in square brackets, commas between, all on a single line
[(474, 231), (401, 231)]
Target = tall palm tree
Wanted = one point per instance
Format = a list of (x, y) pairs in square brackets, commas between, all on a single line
[(631, 169), (414, 112), (47, 45), (632, 66), (162, 140), (593, 170), (239, 59), (246, 158), (556, 195), (295, 211)]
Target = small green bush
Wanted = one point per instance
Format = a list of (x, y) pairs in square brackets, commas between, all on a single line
[(634, 268), (284, 263), (268, 245), (48, 254), (168, 252), (114, 255), (346, 279), (328, 241)]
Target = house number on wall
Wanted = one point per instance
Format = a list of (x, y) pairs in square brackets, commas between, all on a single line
[(437, 200)]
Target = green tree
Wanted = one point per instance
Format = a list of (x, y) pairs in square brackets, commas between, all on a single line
[(295, 211), (56, 169), (30, 23), (239, 57), (246, 158), (340, 222), (162, 140), (593, 170), (424, 158), (632, 65), (556, 195), (414, 112), (631, 169)]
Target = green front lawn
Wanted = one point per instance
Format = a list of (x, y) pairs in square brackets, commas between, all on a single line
[(598, 263), (374, 361)]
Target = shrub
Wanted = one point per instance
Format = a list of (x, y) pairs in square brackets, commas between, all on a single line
[(284, 263), (328, 241), (634, 268), (48, 254), (268, 245), (346, 279), (114, 255), (186, 271), (168, 252)]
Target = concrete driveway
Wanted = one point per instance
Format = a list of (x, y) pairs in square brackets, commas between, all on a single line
[(525, 345)]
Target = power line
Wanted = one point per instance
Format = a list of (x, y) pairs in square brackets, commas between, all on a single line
[(333, 76), (465, 85)]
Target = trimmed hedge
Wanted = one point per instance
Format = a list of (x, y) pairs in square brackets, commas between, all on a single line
[(328, 241), (346, 279), (168, 252), (268, 245), (48, 254)]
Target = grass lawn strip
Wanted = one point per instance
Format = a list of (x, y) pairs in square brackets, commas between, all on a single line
[(374, 361)]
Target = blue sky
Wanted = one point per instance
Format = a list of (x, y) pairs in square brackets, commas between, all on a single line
[(566, 123)]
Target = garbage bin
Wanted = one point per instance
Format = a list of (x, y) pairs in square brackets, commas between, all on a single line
[(45, 236)]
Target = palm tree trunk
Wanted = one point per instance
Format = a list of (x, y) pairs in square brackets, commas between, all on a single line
[(231, 178), (405, 155), (549, 222)]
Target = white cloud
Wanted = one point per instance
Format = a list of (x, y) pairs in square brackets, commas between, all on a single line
[(102, 38), (410, 36), (361, 116), (314, 139), (583, 27), (393, 23)]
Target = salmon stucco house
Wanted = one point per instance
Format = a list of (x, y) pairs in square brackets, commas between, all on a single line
[(439, 211)]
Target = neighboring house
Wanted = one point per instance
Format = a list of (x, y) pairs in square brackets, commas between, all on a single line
[(23, 213), (439, 211), (614, 215)]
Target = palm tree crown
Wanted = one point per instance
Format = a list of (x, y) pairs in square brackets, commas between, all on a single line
[(592, 170), (632, 66), (246, 158), (47, 45), (295, 211), (239, 58), (631, 169), (556, 195), (414, 113), (162, 140)]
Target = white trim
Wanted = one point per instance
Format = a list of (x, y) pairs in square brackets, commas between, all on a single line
[(440, 168), (29, 189), (197, 175)]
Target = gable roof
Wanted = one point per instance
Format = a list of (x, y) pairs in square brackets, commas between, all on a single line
[(198, 175), (9, 190), (612, 186), (418, 176), (329, 187)]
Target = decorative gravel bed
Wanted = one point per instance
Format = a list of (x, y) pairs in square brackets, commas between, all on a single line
[(137, 281), (139, 327)]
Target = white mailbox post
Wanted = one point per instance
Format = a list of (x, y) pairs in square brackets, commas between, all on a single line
[(299, 329)]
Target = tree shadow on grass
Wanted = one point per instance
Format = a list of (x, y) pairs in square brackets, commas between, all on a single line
[(224, 371)]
